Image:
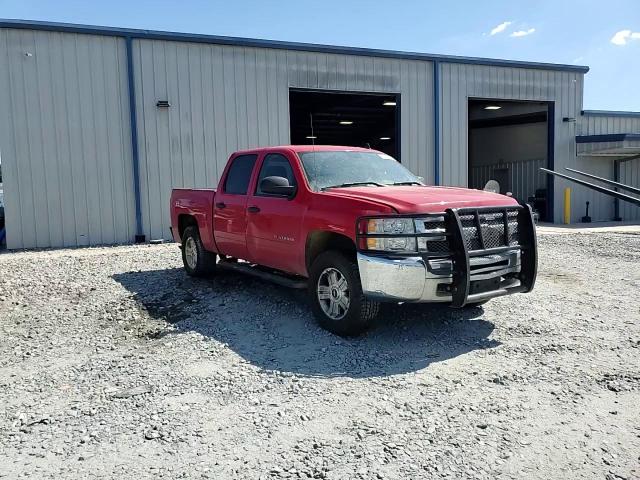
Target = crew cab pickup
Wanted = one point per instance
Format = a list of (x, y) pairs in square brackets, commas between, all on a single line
[(355, 228)]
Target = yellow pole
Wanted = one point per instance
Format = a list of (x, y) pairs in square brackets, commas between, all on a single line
[(567, 206)]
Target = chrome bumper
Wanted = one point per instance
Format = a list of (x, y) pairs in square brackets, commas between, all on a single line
[(415, 279)]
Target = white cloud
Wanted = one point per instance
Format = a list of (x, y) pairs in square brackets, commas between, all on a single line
[(623, 36), (522, 33), (500, 28)]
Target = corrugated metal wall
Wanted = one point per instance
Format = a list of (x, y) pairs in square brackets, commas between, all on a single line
[(600, 124), (225, 98), (65, 139), (460, 82), (526, 176), (600, 205), (630, 175)]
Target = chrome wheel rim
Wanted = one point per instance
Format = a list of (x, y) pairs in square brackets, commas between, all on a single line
[(333, 293), (191, 253)]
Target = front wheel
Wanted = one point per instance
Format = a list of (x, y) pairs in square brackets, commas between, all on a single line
[(336, 295), (197, 261)]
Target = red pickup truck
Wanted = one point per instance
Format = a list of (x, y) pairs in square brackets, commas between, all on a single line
[(356, 228)]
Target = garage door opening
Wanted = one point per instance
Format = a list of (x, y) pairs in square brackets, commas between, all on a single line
[(345, 118), (508, 143)]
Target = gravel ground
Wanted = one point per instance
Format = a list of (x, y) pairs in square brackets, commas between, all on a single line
[(115, 364)]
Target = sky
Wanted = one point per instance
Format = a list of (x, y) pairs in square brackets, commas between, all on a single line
[(603, 34)]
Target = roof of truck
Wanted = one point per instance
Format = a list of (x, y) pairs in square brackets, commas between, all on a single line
[(309, 148)]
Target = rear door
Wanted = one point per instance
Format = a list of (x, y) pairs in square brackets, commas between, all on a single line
[(274, 223), (230, 207)]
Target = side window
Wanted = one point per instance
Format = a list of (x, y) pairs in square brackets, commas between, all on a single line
[(237, 181), (275, 165)]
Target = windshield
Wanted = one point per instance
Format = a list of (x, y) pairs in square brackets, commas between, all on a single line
[(349, 168)]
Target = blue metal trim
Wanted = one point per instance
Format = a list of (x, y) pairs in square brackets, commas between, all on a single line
[(609, 137), (551, 160), (610, 113), (281, 45), (436, 123), (134, 139)]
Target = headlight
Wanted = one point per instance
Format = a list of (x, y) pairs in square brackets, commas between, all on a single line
[(403, 235), (390, 225), (392, 244), (387, 228)]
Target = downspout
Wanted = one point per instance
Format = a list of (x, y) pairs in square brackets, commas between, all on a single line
[(616, 202), (140, 237), (436, 122)]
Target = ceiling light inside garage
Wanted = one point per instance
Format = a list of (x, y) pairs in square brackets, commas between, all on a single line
[(385, 138), (389, 103), (346, 122), (492, 107), (311, 137)]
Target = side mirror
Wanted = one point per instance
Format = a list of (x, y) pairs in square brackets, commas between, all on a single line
[(277, 186)]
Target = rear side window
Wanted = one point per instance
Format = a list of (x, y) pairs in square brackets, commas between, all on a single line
[(237, 181), (275, 165)]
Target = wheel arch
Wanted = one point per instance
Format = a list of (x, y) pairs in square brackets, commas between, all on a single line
[(186, 220), (320, 241)]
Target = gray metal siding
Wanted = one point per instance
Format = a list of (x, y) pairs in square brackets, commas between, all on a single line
[(226, 98), (526, 176), (601, 124), (65, 139), (630, 175), (600, 205)]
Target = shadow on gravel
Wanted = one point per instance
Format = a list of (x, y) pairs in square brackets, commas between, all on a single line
[(272, 327)]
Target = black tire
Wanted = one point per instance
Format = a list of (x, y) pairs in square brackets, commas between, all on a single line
[(204, 263), (360, 312)]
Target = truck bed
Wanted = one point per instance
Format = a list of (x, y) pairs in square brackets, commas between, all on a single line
[(197, 203)]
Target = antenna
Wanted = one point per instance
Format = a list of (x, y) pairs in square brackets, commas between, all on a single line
[(313, 137)]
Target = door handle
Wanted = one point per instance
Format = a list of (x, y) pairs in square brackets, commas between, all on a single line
[(221, 205), (253, 209)]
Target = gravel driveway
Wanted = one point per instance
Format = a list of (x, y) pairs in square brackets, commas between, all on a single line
[(115, 364)]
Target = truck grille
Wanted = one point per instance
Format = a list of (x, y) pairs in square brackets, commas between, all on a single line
[(433, 225), (492, 225)]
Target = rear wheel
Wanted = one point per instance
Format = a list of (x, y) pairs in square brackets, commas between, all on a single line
[(197, 261), (336, 295)]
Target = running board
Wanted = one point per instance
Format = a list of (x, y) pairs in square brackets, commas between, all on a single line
[(255, 271)]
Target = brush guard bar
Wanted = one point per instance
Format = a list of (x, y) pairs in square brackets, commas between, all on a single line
[(462, 255), (474, 238)]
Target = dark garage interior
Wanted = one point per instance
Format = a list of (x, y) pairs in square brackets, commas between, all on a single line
[(343, 118), (508, 143)]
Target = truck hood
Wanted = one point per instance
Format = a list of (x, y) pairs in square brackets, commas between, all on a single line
[(415, 199)]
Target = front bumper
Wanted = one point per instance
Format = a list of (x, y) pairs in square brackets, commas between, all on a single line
[(459, 277), (418, 279)]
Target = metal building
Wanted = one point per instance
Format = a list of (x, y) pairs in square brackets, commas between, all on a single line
[(98, 124)]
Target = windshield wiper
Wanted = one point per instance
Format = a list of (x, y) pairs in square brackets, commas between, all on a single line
[(353, 184), (405, 183)]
